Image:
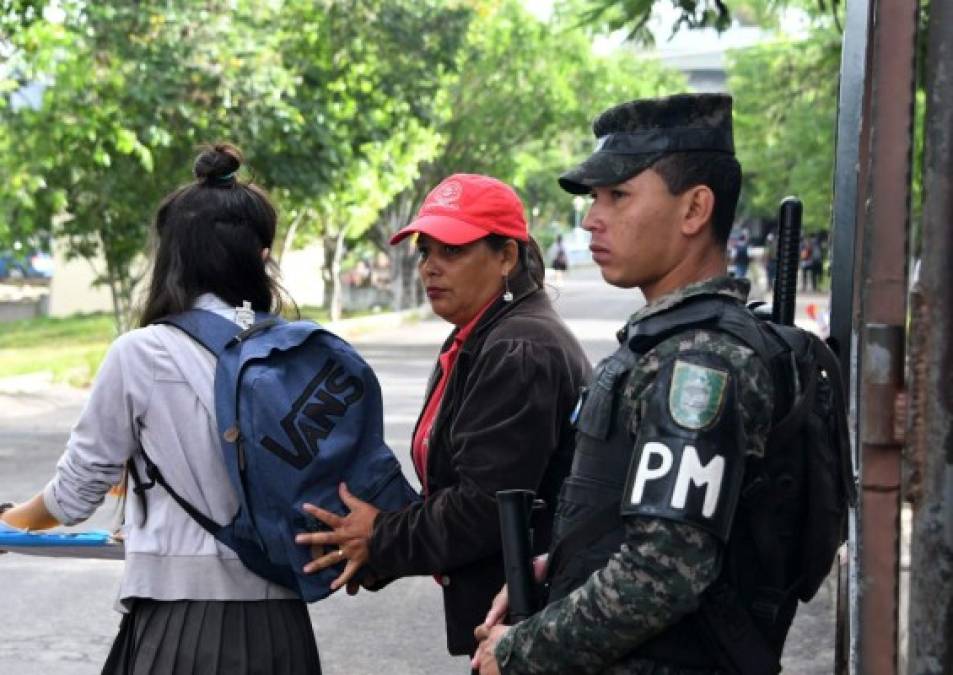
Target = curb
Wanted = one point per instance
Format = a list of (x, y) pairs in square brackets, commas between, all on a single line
[(30, 383), (361, 325)]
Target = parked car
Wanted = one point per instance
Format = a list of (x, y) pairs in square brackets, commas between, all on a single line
[(40, 265), (35, 265), (11, 267)]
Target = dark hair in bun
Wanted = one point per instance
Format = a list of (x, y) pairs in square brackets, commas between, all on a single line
[(217, 165), (209, 238)]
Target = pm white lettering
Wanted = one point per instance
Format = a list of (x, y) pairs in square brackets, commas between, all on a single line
[(645, 472), (691, 471)]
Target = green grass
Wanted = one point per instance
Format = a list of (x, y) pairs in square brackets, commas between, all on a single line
[(69, 348), (72, 348)]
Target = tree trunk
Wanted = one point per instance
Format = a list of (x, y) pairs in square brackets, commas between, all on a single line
[(117, 293), (402, 257), (114, 293), (288, 241), (333, 254)]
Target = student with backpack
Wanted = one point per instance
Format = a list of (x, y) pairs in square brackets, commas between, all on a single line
[(161, 407)]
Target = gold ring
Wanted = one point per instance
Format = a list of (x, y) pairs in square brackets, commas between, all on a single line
[(340, 553)]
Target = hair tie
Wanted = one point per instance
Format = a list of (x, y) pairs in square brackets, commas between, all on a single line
[(227, 177)]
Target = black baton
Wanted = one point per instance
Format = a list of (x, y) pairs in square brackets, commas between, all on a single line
[(515, 509), (788, 261)]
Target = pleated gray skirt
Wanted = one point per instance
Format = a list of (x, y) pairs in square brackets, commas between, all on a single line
[(203, 637)]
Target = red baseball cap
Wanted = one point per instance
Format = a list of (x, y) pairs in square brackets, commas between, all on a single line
[(466, 207)]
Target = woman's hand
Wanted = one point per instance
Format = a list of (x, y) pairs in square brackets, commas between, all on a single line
[(501, 603), (350, 534), (488, 633), (498, 609)]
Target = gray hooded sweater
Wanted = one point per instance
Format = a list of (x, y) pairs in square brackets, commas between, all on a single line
[(155, 388)]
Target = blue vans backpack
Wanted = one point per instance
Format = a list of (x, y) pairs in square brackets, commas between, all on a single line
[(298, 412)]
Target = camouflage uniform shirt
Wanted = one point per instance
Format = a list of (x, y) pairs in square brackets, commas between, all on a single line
[(658, 575)]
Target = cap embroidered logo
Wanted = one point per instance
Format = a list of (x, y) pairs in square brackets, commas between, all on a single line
[(448, 195), (466, 207)]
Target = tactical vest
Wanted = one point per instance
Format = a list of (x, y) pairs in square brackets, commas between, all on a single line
[(589, 527)]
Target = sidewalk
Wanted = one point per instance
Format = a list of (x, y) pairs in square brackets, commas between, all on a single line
[(359, 327)]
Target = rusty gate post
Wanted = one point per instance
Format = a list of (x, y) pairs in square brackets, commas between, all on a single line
[(850, 186), (931, 437), (883, 319)]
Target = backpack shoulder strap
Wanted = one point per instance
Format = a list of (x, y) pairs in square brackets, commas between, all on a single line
[(214, 332), (155, 476), (709, 311)]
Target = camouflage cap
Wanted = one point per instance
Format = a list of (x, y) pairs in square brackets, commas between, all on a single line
[(632, 136)]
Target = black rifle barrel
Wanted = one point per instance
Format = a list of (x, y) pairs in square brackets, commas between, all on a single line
[(788, 261), (515, 508)]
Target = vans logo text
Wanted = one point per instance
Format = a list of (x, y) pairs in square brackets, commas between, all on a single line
[(313, 415)]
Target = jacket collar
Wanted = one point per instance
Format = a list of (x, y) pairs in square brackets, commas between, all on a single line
[(730, 287)]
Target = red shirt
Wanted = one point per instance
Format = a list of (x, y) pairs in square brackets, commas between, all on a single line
[(420, 446)]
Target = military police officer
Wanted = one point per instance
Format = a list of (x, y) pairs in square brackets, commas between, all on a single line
[(641, 580)]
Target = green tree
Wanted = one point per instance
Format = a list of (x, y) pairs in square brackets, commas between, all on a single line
[(131, 90), (369, 74), (516, 107), (15, 15), (785, 115), (634, 16), (600, 82)]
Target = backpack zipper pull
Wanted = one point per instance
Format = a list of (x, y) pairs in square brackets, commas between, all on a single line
[(233, 435)]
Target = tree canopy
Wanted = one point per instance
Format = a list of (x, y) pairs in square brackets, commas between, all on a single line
[(347, 110), (785, 114), (635, 16)]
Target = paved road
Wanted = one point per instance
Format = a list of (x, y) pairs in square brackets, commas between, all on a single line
[(58, 614)]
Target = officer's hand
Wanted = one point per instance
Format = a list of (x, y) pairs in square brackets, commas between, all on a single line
[(485, 658), (501, 603)]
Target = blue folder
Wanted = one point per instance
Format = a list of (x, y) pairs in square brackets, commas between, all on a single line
[(88, 544)]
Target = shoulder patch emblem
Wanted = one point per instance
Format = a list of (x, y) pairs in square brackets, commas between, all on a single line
[(696, 394)]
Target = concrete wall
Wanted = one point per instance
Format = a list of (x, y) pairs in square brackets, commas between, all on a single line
[(17, 310), (301, 275), (23, 299), (72, 290)]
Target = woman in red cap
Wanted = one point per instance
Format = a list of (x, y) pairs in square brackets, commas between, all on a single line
[(497, 410)]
